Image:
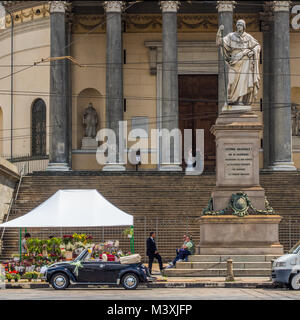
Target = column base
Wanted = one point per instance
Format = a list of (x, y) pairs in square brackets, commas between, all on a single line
[(114, 167), (58, 167), (170, 167), (283, 166), (237, 107)]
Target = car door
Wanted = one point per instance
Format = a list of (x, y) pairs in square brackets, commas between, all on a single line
[(91, 272), (111, 272)]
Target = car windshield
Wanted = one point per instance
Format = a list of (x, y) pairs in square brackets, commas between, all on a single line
[(296, 248), (81, 255)]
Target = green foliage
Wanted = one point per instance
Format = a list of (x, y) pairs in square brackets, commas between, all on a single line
[(128, 231), (31, 275)]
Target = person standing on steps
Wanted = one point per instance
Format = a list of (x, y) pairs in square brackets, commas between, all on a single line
[(153, 253)]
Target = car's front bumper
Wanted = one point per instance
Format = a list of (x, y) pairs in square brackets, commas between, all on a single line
[(281, 275)]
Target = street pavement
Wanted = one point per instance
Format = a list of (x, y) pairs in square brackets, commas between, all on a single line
[(150, 294)]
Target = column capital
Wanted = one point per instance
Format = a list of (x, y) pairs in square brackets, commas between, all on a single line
[(58, 6), (169, 6), (281, 6), (114, 6), (224, 6)]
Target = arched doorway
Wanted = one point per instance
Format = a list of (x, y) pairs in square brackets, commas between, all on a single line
[(38, 128)]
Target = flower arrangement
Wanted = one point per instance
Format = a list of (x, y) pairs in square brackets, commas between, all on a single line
[(128, 232), (12, 275), (31, 275)]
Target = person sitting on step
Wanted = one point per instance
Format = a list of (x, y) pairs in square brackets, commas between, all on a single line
[(183, 252)]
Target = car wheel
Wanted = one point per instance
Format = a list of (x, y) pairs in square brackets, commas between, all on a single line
[(130, 281), (60, 281), (295, 282)]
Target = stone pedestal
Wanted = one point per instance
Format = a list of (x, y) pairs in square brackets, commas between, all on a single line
[(238, 219), (238, 142), (231, 235), (89, 144)]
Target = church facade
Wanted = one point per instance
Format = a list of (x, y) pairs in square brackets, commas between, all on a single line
[(152, 64)]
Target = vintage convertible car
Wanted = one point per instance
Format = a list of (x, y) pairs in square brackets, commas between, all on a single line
[(84, 270)]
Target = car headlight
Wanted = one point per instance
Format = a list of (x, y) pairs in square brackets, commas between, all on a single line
[(281, 264)]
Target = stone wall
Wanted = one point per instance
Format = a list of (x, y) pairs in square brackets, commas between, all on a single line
[(8, 178)]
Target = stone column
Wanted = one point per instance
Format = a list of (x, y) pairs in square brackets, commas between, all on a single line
[(59, 144), (170, 86), (280, 114), (69, 20), (267, 21), (225, 18), (114, 76)]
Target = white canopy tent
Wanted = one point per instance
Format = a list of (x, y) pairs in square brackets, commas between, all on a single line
[(73, 208)]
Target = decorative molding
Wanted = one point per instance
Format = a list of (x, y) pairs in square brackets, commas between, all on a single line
[(88, 23), (169, 6), (27, 15), (226, 6), (114, 6), (281, 6), (152, 23)]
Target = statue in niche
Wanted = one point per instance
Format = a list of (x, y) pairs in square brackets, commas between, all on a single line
[(241, 53), (90, 121)]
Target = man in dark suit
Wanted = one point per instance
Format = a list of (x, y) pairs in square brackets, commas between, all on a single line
[(152, 252)]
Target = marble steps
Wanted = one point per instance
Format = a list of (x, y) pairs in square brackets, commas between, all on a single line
[(216, 265), (216, 272), (235, 258)]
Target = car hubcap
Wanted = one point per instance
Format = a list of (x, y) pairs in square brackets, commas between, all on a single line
[(60, 281), (296, 282), (130, 281)]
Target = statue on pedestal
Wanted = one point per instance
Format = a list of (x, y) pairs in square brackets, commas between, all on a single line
[(90, 121), (241, 53)]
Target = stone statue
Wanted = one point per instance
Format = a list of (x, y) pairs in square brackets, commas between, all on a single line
[(90, 121), (241, 53)]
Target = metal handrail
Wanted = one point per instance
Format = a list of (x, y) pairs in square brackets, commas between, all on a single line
[(13, 199)]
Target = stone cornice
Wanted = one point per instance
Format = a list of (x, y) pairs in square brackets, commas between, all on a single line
[(21, 5), (169, 6), (226, 6)]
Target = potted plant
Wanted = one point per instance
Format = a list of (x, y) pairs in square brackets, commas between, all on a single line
[(9, 276), (27, 276), (128, 232), (16, 276), (35, 275)]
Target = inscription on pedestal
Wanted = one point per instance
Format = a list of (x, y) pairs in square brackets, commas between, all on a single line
[(238, 161)]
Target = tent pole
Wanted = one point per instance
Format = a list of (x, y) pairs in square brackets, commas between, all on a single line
[(20, 244), (132, 240)]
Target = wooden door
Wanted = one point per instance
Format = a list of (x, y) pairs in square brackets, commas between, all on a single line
[(198, 109)]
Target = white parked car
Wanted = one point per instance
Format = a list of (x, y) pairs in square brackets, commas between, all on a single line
[(286, 269)]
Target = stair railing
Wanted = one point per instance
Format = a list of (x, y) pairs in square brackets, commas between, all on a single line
[(13, 199)]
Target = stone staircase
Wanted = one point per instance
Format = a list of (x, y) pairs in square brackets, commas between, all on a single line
[(168, 203), (155, 200), (216, 266)]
